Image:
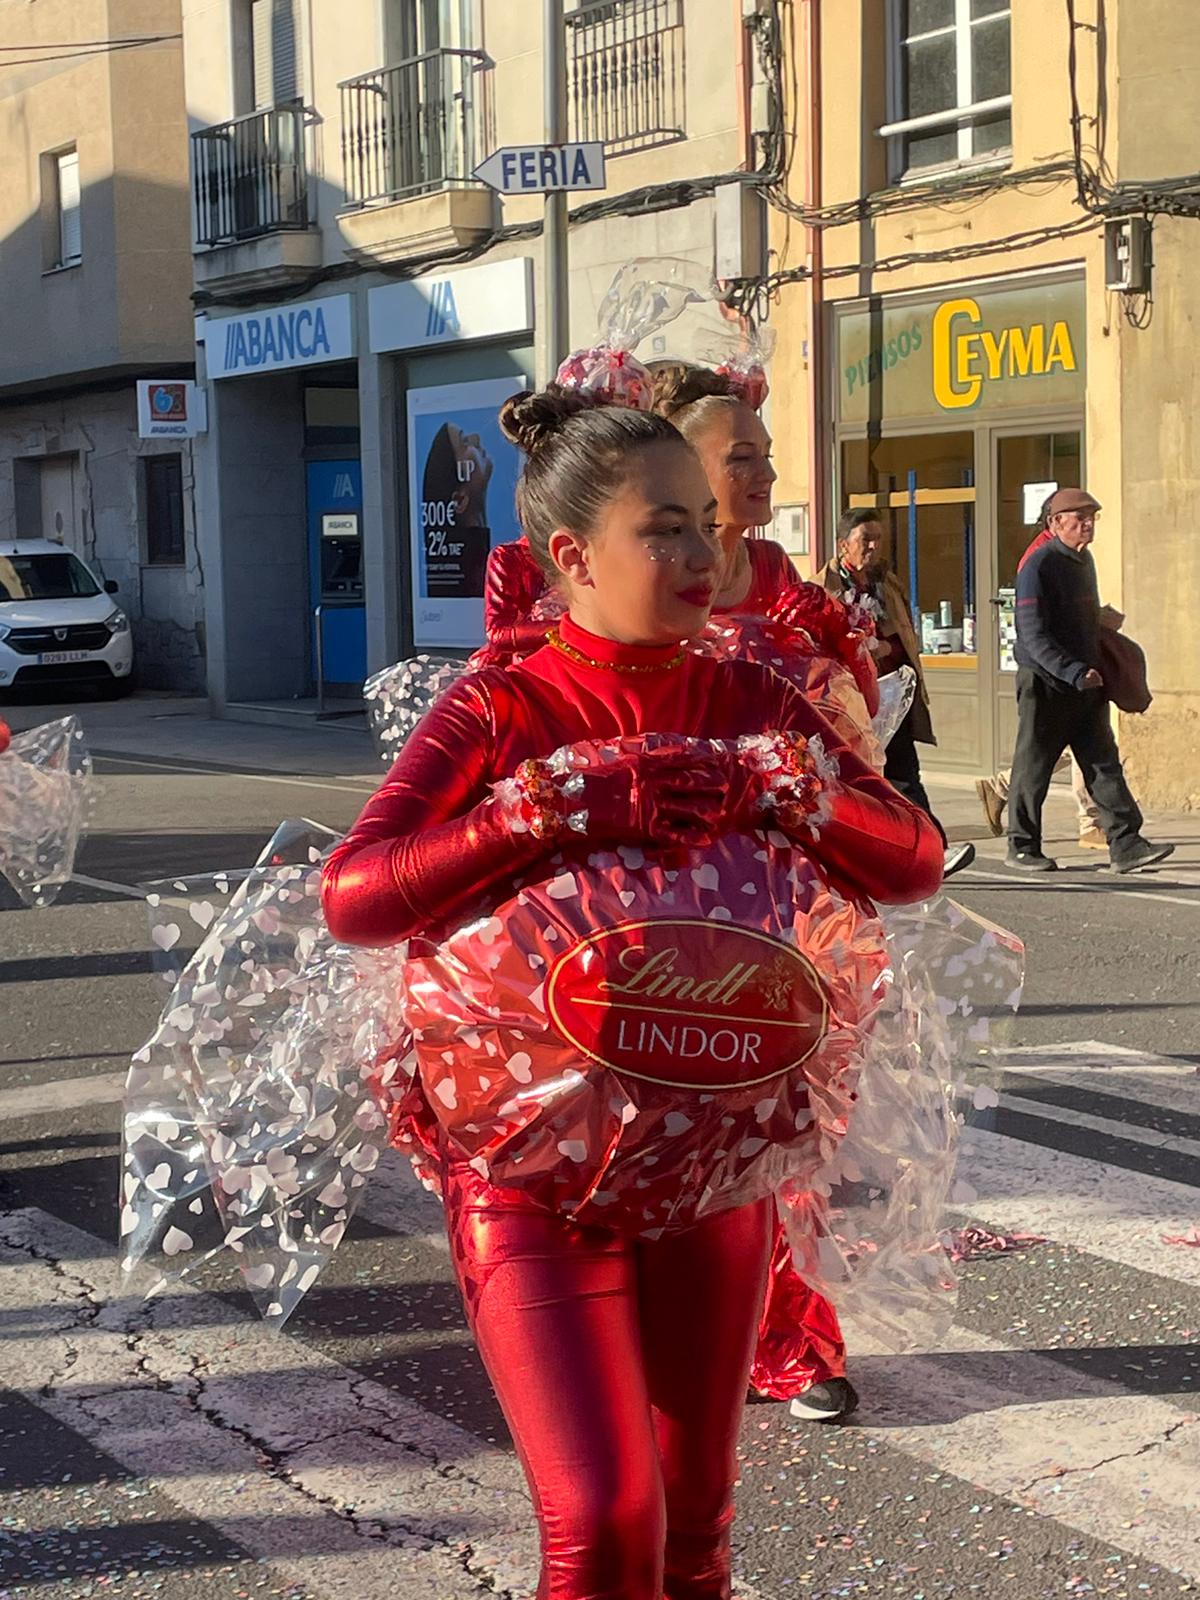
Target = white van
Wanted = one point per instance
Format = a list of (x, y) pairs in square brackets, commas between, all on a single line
[(58, 623)]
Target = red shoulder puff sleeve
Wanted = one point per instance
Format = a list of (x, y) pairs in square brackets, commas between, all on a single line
[(876, 842), (5, 737), (430, 839), (513, 586)]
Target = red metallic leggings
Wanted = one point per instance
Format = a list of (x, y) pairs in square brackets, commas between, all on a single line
[(799, 1339), (621, 1367)]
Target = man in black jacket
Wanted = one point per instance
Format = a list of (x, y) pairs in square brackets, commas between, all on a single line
[(1061, 701)]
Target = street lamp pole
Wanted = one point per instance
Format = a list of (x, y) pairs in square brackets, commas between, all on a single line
[(555, 288)]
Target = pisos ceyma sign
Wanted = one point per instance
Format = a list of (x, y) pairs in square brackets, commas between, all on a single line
[(975, 350), (967, 354)]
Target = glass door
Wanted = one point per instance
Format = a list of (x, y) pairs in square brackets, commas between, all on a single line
[(1029, 467), (925, 490)]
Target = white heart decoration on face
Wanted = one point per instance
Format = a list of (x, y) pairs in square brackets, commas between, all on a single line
[(573, 1149), (202, 913), (626, 897), (160, 1177), (175, 1241), (447, 1093), (564, 887), (490, 931), (167, 935), (260, 1277), (675, 1123), (705, 876)]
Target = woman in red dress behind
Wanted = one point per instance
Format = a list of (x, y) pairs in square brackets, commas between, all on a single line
[(621, 1364)]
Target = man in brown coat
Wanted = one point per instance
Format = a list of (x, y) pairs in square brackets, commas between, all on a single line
[(860, 577)]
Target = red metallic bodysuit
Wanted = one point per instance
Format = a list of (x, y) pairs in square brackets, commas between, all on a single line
[(620, 1364), (800, 1340)]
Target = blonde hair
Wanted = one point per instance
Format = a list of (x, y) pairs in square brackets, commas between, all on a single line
[(690, 397)]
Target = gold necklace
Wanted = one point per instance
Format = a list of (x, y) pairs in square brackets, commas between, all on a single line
[(572, 654)]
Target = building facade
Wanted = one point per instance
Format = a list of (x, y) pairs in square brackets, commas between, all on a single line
[(364, 304), (95, 275), (982, 283)]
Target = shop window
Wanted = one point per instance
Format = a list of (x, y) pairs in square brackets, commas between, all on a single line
[(924, 489), (951, 84), (162, 483), (330, 417), (1029, 468)]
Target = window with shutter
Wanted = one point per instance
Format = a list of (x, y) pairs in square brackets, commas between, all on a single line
[(70, 234), (274, 48)]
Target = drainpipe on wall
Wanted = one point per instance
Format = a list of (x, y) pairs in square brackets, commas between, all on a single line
[(820, 537)]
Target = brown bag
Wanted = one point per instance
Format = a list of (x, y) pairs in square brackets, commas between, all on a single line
[(1123, 668)]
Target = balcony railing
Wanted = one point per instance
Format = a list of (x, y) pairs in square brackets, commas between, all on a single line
[(410, 128), (625, 73), (250, 176)]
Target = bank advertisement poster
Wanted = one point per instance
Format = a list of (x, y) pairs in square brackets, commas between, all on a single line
[(462, 489)]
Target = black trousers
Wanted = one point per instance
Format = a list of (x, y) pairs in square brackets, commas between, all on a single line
[(1049, 721), (902, 769)]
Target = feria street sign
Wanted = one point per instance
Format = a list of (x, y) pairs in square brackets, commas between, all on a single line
[(543, 168)]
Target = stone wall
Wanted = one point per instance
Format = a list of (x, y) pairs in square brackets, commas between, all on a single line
[(97, 434)]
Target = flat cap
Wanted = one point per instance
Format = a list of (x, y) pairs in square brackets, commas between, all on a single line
[(1072, 500)]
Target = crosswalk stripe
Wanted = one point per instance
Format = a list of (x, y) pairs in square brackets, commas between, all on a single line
[(31, 1100), (1070, 1118), (366, 1495), (369, 1493), (1108, 1211), (1133, 1075), (1085, 1460)]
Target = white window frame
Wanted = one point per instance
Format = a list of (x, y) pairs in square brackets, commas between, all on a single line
[(962, 115), (66, 257)]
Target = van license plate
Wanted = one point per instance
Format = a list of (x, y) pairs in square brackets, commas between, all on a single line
[(54, 658)]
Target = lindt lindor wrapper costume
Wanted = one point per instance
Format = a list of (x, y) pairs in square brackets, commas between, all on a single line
[(45, 802)]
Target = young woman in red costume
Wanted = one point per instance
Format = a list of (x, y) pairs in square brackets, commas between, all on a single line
[(621, 1364), (758, 578), (801, 1355)]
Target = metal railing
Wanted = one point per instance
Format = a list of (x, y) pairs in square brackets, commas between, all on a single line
[(250, 176), (411, 127), (625, 73)]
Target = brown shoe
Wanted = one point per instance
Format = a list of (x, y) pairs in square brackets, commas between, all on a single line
[(1092, 838), (992, 802)]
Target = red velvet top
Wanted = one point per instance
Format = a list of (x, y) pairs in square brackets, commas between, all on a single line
[(431, 840), (515, 583)]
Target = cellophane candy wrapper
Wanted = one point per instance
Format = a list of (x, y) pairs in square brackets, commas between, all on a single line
[(399, 696), (743, 357), (828, 684), (251, 1120), (897, 691), (870, 1233), (640, 1041), (644, 296), (46, 798)]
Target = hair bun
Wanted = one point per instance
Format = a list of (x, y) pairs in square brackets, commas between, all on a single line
[(530, 418), (679, 384)]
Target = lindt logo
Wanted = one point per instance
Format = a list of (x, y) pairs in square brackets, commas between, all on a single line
[(688, 1003)]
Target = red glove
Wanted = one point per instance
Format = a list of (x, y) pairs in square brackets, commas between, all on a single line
[(5, 737), (662, 797)]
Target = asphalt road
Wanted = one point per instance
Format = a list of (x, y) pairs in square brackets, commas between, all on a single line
[(1049, 1445)]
